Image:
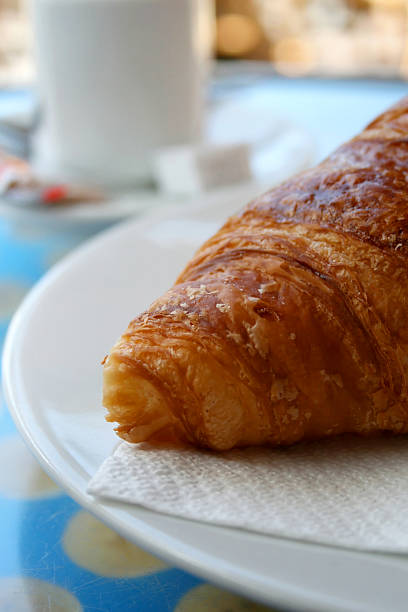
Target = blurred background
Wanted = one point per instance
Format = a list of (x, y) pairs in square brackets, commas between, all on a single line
[(342, 38)]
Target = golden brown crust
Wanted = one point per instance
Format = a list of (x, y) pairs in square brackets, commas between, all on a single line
[(290, 322)]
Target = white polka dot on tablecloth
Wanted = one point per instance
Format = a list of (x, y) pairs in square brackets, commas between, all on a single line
[(207, 597), (32, 595), (11, 295), (95, 547), (23, 478)]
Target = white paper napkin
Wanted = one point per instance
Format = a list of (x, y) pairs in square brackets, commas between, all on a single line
[(350, 492)]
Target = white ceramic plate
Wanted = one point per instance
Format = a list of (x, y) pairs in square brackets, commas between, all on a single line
[(52, 380)]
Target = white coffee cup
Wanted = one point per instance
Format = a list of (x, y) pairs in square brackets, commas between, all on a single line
[(118, 79)]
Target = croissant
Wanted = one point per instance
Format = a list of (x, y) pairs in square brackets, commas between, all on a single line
[(291, 322)]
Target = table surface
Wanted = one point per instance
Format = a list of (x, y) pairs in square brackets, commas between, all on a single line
[(53, 555)]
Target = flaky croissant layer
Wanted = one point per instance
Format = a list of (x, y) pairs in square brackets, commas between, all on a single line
[(290, 322)]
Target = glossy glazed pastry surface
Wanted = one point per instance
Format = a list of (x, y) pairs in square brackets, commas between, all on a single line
[(291, 322)]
